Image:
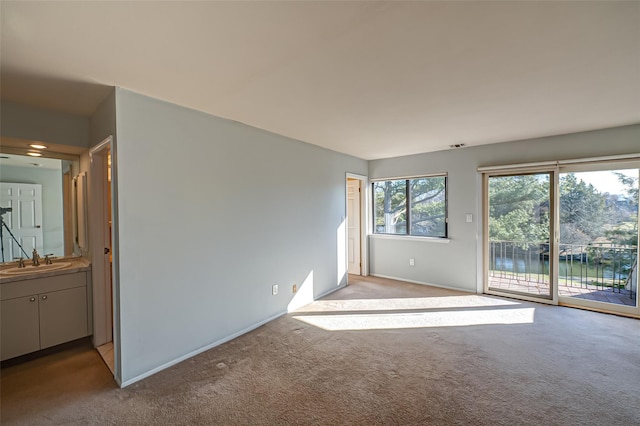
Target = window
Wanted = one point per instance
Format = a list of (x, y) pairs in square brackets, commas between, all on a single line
[(416, 206)]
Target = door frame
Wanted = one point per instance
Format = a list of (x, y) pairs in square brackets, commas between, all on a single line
[(106, 305), (364, 222)]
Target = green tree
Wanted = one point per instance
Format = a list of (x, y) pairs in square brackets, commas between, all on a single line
[(583, 210), (427, 206), (519, 208), (625, 231), (390, 206)]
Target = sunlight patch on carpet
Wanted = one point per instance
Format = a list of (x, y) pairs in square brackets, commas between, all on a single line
[(395, 304), (387, 321)]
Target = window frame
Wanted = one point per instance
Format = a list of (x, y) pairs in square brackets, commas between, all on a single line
[(408, 206)]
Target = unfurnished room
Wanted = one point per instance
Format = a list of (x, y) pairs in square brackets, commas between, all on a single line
[(319, 212)]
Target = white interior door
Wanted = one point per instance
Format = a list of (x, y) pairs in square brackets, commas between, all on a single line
[(25, 219), (101, 245), (353, 226)]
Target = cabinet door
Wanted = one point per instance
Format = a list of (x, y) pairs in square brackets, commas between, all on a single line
[(20, 326), (63, 316)]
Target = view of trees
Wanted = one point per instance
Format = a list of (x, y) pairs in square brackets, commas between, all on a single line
[(419, 204), (625, 231), (598, 230), (519, 210)]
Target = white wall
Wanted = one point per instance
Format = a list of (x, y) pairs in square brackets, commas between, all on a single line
[(26, 122), (52, 207), (102, 122), (455, 264), (212, 213), (52, 127)]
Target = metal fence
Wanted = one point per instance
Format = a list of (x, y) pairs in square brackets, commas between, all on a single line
[(606, 266)]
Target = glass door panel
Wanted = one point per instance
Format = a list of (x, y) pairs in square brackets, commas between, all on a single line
[(520, 246), (598, 246)]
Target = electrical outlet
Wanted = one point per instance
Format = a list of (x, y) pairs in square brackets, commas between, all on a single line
[(274, 289), (294, 288), (469, 217), (412, 262)]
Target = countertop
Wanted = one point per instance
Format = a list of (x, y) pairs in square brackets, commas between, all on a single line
[(78, 264)]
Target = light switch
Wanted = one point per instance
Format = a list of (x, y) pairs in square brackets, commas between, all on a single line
[(469, 217)]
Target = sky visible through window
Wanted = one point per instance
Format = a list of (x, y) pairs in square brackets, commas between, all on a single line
[(606, 181)]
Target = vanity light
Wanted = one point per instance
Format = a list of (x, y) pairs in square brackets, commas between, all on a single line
[(37, 146), (35, 154)]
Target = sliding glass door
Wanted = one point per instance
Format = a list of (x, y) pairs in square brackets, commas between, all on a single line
[(598, 244), (568, 235), (519, 234)]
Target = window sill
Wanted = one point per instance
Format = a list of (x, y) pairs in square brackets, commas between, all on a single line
[(411, 238)]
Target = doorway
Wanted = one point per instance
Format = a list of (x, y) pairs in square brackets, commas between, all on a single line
[(102, 252), (565, 235), (355, 224)]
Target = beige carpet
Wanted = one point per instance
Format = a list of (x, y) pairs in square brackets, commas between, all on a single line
[(377, 352)]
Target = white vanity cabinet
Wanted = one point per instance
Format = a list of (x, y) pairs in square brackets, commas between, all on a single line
[(43, 312), (20, 326)]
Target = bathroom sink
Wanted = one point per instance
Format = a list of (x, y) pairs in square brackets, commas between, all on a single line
[(30, 269)]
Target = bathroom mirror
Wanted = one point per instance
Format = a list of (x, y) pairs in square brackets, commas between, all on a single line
[(40, 193)]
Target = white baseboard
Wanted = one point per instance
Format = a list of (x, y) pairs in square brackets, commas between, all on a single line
[(213, 345), (448, 287), (326, 293), (197, 351)]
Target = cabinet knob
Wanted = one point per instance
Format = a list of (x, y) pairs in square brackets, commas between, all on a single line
[(44, 297), (32, 299)]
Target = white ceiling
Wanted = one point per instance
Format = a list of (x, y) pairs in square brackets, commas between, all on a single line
[(371, 79)]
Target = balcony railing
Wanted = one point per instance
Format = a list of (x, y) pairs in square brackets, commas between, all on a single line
[(605, 266)]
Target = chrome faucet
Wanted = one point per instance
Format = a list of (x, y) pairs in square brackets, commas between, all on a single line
[(35, 258)]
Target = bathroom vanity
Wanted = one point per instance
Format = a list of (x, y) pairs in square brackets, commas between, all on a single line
[(44, 308)]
